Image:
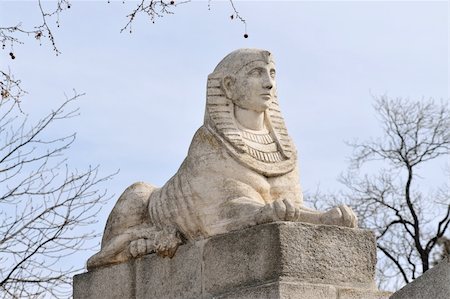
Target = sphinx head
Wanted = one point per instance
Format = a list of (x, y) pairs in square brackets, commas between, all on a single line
[(248, 78)]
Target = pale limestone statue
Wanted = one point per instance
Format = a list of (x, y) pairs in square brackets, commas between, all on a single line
[(240, 171)]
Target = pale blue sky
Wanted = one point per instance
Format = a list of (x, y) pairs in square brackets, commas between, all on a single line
[(145, 91)]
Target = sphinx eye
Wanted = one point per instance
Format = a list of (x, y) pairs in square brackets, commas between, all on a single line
[(255, 72), (272, 73)]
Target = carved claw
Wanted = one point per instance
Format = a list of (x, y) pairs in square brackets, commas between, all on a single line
[(141, 247), (279, 210), (340, 216), (167, 244), (169, 252), (349, 218)]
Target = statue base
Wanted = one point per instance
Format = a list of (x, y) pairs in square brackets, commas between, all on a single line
[(435, 283), (274, 260)]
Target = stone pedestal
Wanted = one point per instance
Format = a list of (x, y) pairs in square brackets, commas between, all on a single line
[(435, 283), (275, 260)]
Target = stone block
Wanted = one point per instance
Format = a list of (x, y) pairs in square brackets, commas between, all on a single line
[(248, 257), (306, 291), (283, 290), (303, 252), (289, 290), (274, 260), (179, 277), (349, 293), (327, 254), (270, 290), (435, 283), (113, 282)]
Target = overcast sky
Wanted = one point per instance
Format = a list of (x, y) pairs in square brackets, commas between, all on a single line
[(145, 91)]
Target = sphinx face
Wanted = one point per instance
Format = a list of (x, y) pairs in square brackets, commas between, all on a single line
[(253, 88)]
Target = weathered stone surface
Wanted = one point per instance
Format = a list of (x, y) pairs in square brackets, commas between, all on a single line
[(113, 282), (349, 293), (240, 171), (304, 252), (274, 260), (287, 290), (435, 283), (283, 290), (327, 254), (179, 277), (306, 291), (270, 290), (243, 258)]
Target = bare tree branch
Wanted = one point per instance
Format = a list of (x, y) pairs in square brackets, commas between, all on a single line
[(44, 205), (389, 201), (395, 262)]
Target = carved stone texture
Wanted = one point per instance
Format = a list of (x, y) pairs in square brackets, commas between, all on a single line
[(274, 260), (435, 283), (240, 171)]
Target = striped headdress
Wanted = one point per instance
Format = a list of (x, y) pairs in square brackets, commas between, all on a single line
[(220, 120)]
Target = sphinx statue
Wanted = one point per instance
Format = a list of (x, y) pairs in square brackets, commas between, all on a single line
[(240, 171)]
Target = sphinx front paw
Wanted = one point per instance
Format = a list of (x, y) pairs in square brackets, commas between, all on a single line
[(279, 210), (141, 247), (340, 216), (167, 243)]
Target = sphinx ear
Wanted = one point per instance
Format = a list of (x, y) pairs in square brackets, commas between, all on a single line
[(228, 83)]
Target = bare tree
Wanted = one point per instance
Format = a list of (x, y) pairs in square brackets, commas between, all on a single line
[(410, 224), (44, 206), (158, 9), (13, 35)]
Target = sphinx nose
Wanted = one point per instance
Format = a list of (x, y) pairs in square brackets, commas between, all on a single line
[(268, 85)]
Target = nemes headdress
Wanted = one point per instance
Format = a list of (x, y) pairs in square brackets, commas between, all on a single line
[(220, 120)]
